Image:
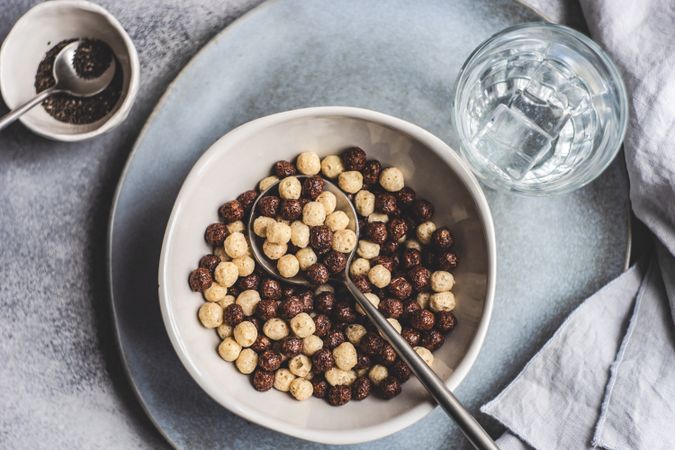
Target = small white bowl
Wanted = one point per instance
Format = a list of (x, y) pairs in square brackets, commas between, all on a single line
[(234, 164), (44, 26)]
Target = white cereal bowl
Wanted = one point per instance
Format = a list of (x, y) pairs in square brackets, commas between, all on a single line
[(39, 30), (234, 164)]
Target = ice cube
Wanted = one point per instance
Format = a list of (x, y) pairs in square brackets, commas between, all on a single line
[(512, 142), (549, 116)]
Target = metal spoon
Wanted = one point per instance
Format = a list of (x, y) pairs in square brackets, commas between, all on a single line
[(66, 81), (478, 437)]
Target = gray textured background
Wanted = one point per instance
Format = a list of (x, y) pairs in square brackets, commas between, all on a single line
[(61, 383)]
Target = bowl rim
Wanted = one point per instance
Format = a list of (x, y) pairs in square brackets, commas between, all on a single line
[(134, 71), (442, 150)]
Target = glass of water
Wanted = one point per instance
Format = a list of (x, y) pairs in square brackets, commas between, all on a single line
[(539, 109)]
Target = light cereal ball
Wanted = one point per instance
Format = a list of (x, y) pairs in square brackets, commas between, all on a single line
[(426, 355), (211, 315), (245, 265), (324, 288), (344, 241), (423, 299), (247, 300), (215, 292), (278, 233), (306, 257), (308, 163), (339, 377), (303, 325), (378, 217), (226, 301), (364, 201), (351, 181), (362, 372), (247, 361), (337, 220), (224, 331), (442, 281), (260, 225), (288, 266), (228, 349), (331, 166), (267, 182), (301, 389), (345, 356), (290, 188), (360, 266), (424, 231), (328, 200), (367, 249), (378, 373), (391, 179), (413, 244), (442, 301), (396, 324), (355, 332), (372, 298), (220, 253), (313, 214), (236, 245), (379, 276), (311, 344), (300, 365), (283, 379), (245, 333), (275, 329), (299, 234), (226, 273), (236, 227), (274, 251)]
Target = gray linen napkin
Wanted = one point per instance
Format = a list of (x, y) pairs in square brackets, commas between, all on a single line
[(607, 376)]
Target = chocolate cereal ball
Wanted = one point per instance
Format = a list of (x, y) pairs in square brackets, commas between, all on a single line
[(209, 262), (246, 199), (354, 158), (422, 320), (421, 210), (344, 313), (322, 325), (261, 344), (371, 344), (336, 262), (291, 346), (262, 380), (401, 371), (233, 314), (409, 307), (406, 196), (320, 387), (215, 234), (433, 340), (249, 282), (445, 321), (200, 279), (410, 258), (324, 302), (389, 248), (397, 228), (362, 283), (290, 307), (361, 388), (323, 360), (320, 238), (385, 203), (283, 169), (363, 361), (446, 260), (307, 299), (376, 232), (231, 211), (400, 288), (412, 337), (334, 338), (420, 277), (442, 238), (270, 289), (389, 262), (317, 273), (339, 395), (291, 210), (391, 307), (371, 172), (266, 309), (268, 206), (388, 388), (312, 187), (269, 360), (387, 355)]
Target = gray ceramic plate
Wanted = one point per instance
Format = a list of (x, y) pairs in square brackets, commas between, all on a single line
[(397, 57)]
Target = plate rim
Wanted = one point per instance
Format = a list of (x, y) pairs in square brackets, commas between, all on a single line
[(468, 179)]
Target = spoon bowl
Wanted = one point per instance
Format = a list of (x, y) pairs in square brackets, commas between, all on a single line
[(68, 80), (342, 204)]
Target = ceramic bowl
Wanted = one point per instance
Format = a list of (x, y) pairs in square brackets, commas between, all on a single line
[(39, 30), (234, 164)]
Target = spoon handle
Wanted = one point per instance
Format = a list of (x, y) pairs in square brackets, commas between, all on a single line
[(21, 110), (478, 437)]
